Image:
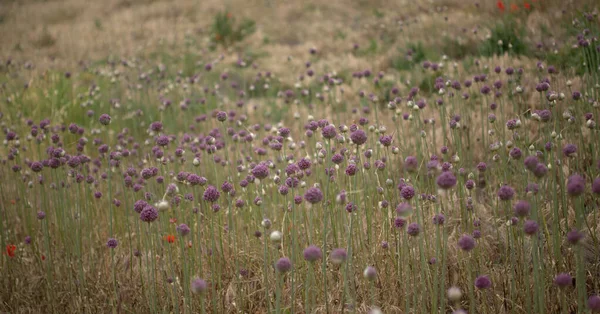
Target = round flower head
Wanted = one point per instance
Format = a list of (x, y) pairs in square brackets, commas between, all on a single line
[(149, 214), (104, 119), (112, 243), (466, 242), (198, 286), (596, 186), (260, 171), (221, 116), (531, 162), (358, 137), (407, 192), (312, 253), (506, 193), (313, 195), (569, 150), (454, 293), (370, 273), (410, 164), (283, 265), (211, 194), (575, 185), (522, 208), (446, 180), (41, 215), (404, 209), (563, 280), (594, 303), (530, 227), (574, 236), (183, 230), (329, 131), (413, 229), (338, 256), (483, 282), (439, 219)]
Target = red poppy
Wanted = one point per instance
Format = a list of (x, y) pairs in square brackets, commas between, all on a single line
[(170, 238), (513, 7), (10, 250), (43, 257), (500, 5), (527, 6)]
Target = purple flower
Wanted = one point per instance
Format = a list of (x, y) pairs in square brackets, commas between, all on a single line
[(413, 229), (439, 219), (313, 195), (211, 194), (531, 162), (41, 215), (515, 153), (198, 286), (540, 170), (370, 273), (446, 180), (221, 116), (399, 222), (139, 205), (483, 282), (522, 208), (312, 253), (149, 214), (596, 186), (410, 163), (358, 137), (104, 119), (506, 193), (575, 185), (385, 140), (36, 166), (569, 150), (329, 131), (403, 209), (283, 265), (407, 192), (574, 236), (112, 243), (563, 280), (530, 227), (338, 256), (260, 171), (466, 242), (183, 230), (594, 303)]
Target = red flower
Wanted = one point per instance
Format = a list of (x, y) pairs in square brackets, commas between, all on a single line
[(170, 238), (500, 5), (513, 7), (10, 250), (527, 5), (173, 220), (43, 257)]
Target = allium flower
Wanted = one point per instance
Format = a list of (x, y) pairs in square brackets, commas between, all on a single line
[(139, 205), (506, 193), (149, 214), (575, 185), (413, 229), (211, 194), (466, 242), (407, 192), (358, 137), (399, 222), (183, 230), (596, 186), (198, 286), (41, 215), (312, 253), (515, 153), (410, 163), (283, 265), (385, 140), (594, 303), (104, 119), (329, 131), (563, 280), (532, 188), (530, 227), (540, 170), (370, 273), (531, 162), (439, 219), (446, 180), (574, 236), (483, 282), (338, 256), (112, 243), (569, 150), (260, 171), (313, 195), (221, 116), (522, 208)]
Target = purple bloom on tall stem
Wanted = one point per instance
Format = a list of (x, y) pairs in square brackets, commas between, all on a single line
[(446, 180), (569, 150), (530, 227), (112, 243), (594, 303), (358, 137), (596, 186), (260, 171), (211, 194), (183, 230), (104, 119), (466, 243), (313, 195), (522, 208), (413, 229), (198, 286), (370, 273), (574, 236), (575, 185), (403, 209), (407, 192), (283, 265), (410, 163), (506, 193), (563, 280), (483, 282), (338, 256), (41, 215), (149, 214), (329, 131), (312, 253)]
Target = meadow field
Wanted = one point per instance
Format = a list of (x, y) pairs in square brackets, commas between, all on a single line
[(427, 156)]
